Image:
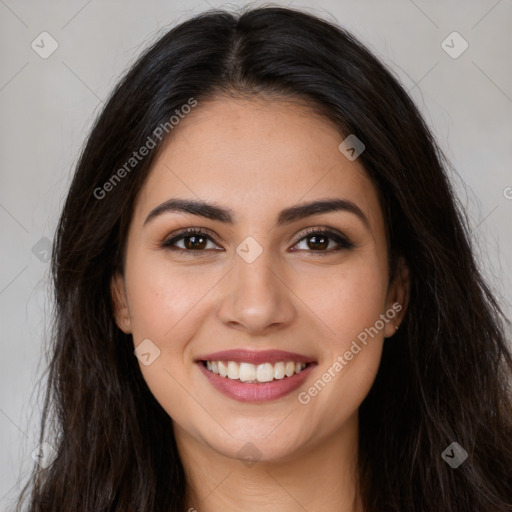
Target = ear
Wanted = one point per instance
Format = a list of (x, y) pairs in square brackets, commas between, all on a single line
[(120, 303), (398, 299)]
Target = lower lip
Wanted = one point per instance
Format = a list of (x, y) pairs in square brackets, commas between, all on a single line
[(256, 392)]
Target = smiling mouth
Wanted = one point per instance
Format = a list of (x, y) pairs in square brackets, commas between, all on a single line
[(255, 373)]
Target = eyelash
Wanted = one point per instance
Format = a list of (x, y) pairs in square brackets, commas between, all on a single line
[(343, 242)]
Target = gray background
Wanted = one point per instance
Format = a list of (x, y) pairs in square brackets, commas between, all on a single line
[(48, 106)]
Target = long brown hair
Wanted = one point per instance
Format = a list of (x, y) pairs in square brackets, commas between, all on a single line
[(444, 377)]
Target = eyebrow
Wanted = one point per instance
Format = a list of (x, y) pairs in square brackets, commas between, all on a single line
[(287, 216)]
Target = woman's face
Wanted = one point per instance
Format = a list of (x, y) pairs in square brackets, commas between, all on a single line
[(257, 280)]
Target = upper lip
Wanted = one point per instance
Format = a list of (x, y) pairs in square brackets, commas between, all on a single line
[(255, 357)]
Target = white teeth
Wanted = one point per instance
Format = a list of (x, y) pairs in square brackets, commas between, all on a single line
[(289, 369), (233, 370), (247, 372), (279, 370), (223, 369), (265, 372)]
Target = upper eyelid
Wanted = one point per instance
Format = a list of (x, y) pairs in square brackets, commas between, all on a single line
[(191, 231)]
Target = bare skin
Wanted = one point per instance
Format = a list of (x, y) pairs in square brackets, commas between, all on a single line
[(298, 295)]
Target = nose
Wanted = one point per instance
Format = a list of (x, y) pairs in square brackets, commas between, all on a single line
[(257, 298)]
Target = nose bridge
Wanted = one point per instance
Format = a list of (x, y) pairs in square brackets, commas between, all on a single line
[(256, 297), (257, 271)]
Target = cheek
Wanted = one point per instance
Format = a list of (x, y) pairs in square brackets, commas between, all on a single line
[(168, 305), (165, 307), (163, 296), (345, 298), (349, 300)]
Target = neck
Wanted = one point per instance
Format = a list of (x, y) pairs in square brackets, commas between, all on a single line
[(319, 477)]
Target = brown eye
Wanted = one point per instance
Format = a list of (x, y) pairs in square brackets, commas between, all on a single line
[(317, 242), (194, 242), (320, 241), (189, 240)]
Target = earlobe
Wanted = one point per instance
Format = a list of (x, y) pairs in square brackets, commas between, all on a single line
[(398, 300), (120, 304)]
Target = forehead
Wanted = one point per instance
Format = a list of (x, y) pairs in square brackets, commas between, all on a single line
[(256, 156)]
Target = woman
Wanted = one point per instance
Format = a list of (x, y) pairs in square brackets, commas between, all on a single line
[(266, 296)]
